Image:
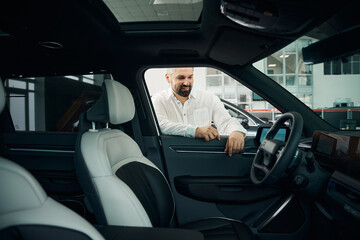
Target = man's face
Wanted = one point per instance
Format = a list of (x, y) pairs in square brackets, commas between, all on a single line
[(181, 81)]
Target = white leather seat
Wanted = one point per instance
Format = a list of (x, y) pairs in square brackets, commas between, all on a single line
[(114, 174), (123, 187), (26, 212)]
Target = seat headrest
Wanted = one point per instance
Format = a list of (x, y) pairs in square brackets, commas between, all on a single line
[(116, 104), (19, 189), (2, 96)]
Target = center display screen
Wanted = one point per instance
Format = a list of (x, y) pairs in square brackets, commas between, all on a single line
[(280, 135)]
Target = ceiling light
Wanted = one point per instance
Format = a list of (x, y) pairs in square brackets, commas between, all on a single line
[(284, 56), (272, 65), (72, 77)]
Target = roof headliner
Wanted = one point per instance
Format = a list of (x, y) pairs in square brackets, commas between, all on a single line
[(93, 40)]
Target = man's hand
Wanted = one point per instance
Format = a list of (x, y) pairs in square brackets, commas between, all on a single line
[(207, 133), (235, 143)]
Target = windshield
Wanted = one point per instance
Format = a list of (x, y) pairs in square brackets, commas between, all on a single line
[(330, 89)]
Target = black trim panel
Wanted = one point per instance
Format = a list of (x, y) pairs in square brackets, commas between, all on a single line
[(123, 233), (152, 190)]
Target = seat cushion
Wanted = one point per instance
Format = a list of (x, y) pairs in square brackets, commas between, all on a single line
[(221, 228)]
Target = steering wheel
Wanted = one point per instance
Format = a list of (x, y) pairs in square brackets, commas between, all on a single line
[(274, 156)]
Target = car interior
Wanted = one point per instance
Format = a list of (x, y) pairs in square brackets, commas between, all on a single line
[(82, 155)]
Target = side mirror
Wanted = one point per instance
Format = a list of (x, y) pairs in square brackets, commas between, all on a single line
[(245, 123)]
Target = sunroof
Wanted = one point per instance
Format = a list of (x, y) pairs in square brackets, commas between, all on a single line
[(128, 11)]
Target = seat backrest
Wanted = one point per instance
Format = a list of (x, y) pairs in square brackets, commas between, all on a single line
[(123, 187), (26, 212)]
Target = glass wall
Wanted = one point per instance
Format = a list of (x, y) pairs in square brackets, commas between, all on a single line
[(51, 103), (348, 65), (330, 89), (287, 68)]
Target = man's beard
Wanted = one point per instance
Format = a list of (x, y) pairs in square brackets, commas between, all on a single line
[(183, 93)]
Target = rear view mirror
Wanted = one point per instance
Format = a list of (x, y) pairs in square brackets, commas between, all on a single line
[(340, 45)]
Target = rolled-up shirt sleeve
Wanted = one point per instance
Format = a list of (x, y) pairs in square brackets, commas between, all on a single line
[(168, 127), (223, 121)]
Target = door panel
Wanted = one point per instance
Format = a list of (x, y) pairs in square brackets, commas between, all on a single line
[(48, 156), (225, 190), (188, 156), (207, 168)]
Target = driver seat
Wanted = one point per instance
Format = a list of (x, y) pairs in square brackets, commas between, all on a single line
[(124, 187)]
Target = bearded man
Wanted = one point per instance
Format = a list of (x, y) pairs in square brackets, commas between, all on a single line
[(184, 111)]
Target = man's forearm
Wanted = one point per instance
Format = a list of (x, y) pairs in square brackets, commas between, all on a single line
[(229, 126), (171, 128)]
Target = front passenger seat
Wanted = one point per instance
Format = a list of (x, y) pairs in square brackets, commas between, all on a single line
[(124, 187)]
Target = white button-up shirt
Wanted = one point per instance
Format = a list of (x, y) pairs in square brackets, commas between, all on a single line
[(199, 110)]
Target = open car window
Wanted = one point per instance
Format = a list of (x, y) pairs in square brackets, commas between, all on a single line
[(240, 101), (330, 89)]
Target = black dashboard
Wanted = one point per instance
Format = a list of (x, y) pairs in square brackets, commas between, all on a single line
[(337, 152)]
